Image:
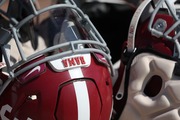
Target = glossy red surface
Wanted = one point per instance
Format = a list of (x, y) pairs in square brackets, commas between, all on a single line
[(50, 95)]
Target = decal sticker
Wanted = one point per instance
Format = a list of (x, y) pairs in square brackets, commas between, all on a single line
[(75, 61), (37, 68), (7, 108), (32, 73)]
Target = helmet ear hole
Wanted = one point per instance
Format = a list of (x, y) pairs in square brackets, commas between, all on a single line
[(153, 86)]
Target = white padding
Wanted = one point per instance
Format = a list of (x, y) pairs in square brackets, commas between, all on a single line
[(164, 105)]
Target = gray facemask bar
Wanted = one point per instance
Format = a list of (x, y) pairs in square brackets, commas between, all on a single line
[(174, 27), (98, 41)]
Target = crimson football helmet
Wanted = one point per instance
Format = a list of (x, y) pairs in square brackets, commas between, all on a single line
[(148, 82), (67, 77)]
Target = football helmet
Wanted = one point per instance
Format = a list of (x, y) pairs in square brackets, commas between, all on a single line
[(68, 76), (149, 71)]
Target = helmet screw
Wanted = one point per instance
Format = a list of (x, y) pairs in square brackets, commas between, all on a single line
[(159, 27)]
